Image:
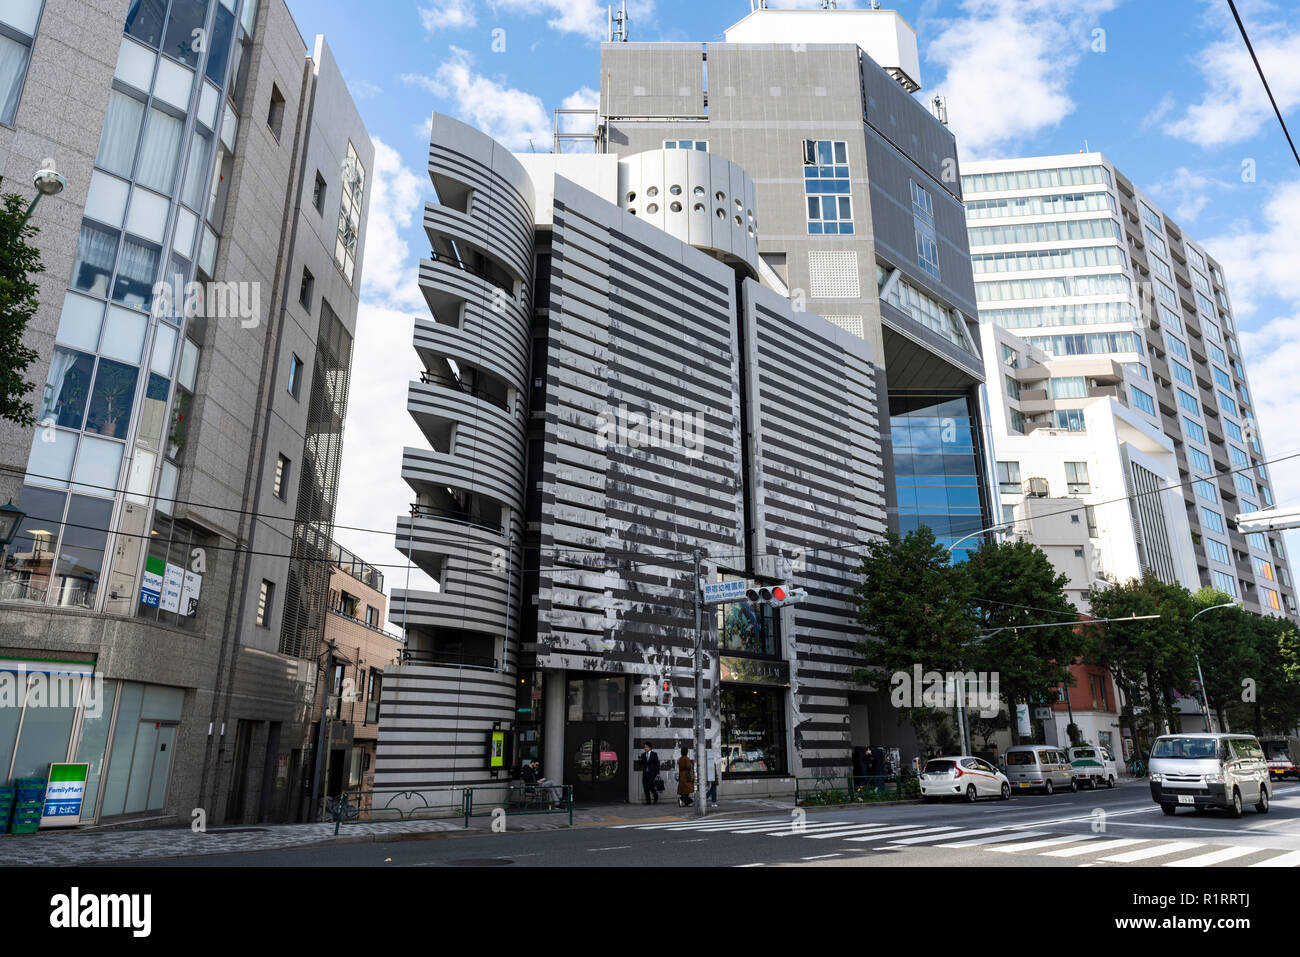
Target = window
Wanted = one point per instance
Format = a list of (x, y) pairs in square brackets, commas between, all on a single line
[(1091, 514), (1012, 386), (1218, 551), (337, 680), (1207, 491), (927, 247), (1009, 478), (318, 194), (1009, 355), (275, 114), (1238, 456), (159, 151), (1018, 421), (1188, 402), (15, 48), (1154, 241), (1068, 387), (305, 288), (1193, 430), (1182, 373), (1228, 404), (1244, 485), (1211, 520), (350, 205), (1076, 478), (373, 693), (1043, 232), (1177, 348), (265, 597), (1172, 320), (1217, 354), (1200, 461), (1162, 270), (1224, 583), (295, 375), (1221, 377), (826, 186), (1071, 419), (753, 730), (1092, 343), (701, 145), (1142, 400), (280, 486), (1270, 598), (1234, 430), (1082, 314), (1264, 569), (1169, 297), (1035, 179)]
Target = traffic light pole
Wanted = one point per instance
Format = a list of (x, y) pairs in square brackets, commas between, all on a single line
[(701, 758)]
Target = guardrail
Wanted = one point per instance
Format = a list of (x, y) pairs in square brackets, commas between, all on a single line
[(855, 789), (418, 804)]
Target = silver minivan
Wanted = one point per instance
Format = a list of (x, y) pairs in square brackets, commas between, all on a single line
[(1209, 770), (1042, 767)]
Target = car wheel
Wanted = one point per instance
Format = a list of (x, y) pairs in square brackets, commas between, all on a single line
[(971, 794), (1169, 809), (1262, 806), (1092, 784), (1234, 809), (1006, 791), (1048, 789), (1110, 781), (1074, 786)]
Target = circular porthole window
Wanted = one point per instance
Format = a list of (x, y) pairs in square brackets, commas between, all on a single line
[(720, 196), (631, 197), (699, 208), (652, 209), (652, 191), (631, 212), (675, 190), (722, 213), (699, 190), (738, 222), (676, 207), (739, 205)]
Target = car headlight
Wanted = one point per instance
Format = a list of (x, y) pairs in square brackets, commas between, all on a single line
[(1157, 777), (1214, 779)]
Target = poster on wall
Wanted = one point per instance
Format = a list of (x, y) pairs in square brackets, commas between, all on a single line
[(190, 593), (63, 795), (151, 586)]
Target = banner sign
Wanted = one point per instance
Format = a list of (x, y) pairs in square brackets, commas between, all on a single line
[(64, 794)]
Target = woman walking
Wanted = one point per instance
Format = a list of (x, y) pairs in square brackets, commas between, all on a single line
[(685, 780)]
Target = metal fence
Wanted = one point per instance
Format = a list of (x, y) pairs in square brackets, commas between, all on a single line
[(398, 804), (855, 789)]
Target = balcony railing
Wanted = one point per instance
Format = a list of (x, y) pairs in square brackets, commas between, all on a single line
[(420, 656), (466, 267), (453, 514), (453, 382)]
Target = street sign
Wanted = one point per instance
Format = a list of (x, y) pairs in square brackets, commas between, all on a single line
[(716, 593), (1042, 714)]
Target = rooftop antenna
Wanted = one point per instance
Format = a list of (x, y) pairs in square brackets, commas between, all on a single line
[(618, 23)]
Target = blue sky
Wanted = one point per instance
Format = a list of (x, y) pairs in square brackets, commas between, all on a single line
[(1163, 87)]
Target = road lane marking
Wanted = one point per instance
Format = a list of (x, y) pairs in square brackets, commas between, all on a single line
[(1091, 846), (1034, 845), (872, 832), (621, 847), (1160, 850), (1282, 860), (819, 857), (1214, 857), (873, 837), (995, 838), (926, 837)]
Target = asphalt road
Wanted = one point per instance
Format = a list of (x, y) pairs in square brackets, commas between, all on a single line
[(1105, 828)]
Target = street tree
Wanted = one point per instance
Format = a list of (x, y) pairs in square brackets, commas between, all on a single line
[(19, 262), (1227, 640)]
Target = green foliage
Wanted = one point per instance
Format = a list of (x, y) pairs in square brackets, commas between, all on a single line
[(987, 727), (1229, 643), (19, 262)]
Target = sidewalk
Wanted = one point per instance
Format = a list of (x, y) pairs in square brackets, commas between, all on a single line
[(72, 847)]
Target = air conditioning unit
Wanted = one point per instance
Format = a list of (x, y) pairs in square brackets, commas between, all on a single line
[(1035, 487)]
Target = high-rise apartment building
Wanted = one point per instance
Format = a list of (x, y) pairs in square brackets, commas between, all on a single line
[(1074, 258), (194, 339)]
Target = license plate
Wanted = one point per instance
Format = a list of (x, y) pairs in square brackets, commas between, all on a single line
[(1024, 784), (1186, 799)]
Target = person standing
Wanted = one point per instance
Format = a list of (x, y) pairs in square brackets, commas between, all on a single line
[(650, 774), (711, 775), (685, 780)]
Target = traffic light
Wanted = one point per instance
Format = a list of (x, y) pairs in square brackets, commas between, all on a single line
[(665, 692), (775, 595)]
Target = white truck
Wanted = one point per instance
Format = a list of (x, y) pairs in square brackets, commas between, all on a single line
[(1092, 766)]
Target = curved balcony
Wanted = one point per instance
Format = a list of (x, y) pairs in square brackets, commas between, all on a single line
[(490, 341), (430, 472), (502, 238)]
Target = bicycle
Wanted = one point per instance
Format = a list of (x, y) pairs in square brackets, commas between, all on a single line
[(339, 808), (1137, 767)]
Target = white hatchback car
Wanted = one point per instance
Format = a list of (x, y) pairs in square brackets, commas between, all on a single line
[(964, 777)]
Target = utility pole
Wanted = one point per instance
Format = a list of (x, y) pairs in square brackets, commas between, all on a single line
[(314, 812), (701, 759)]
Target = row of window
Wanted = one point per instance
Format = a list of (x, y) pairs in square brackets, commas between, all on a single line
[(1066, 314), (1043, 232), (1047, 259), (1077, 482), (1053, 287), (1040, 205), (1034, 179)]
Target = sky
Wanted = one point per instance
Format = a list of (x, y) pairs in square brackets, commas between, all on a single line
[(1165, 88)]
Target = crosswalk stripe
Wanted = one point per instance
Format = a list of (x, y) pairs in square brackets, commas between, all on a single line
[(1214, 857), (995, 839), (682, 824), (1034, 845), (1282, 860), (970, 833), (873, 837), (1160, 850), (789, 826), (869, 832), (1091, 846)]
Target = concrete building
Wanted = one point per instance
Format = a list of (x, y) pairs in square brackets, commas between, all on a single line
[(1068, 484), (1071, 256), (194, 339), (602, 398)]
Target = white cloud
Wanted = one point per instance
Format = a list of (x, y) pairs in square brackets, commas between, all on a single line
[(1187, 192), (1234, 106), (1008, 64), (363, 89), (1259, 264), (1162, 109), (513, 117), (397, 194), (448, 15)]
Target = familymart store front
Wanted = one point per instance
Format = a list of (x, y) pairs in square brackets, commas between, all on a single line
[(53, 712)]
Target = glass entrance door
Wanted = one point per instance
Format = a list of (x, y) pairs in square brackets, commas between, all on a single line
[(595, 763)]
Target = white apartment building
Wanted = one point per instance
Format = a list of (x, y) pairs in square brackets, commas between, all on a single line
[(1074, 259)]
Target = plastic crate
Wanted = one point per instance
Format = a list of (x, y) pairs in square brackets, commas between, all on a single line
[(21, 783)]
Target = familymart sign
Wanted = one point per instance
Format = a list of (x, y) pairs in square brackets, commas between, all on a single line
[(63, 795)]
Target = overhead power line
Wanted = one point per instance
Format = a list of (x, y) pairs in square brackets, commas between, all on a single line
[(1263, 79)]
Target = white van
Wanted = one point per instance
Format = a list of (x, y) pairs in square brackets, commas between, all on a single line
[(1041, 767), (1209, 770), (1093, 765)]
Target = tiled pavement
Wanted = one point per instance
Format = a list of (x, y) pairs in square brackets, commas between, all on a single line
[(74, 847)]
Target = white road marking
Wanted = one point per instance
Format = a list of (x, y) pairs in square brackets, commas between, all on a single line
[(928, 830), (1282, 860), (873, 831), (621, 847), (995, 838), (1160, 850), (1091, 846), (1033, 845), (819, 857), (1214, 857), (926, 837)]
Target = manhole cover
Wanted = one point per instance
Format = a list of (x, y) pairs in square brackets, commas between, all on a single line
[(480, 862)]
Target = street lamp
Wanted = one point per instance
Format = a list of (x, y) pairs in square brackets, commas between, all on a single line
[(1205, 702), (48, 182), (10, 518)]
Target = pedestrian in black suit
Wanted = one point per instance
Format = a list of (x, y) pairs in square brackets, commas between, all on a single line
[(649, 774)]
